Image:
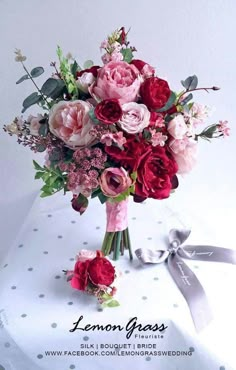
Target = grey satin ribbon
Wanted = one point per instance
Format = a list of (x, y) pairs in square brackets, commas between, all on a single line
[(183, 276)]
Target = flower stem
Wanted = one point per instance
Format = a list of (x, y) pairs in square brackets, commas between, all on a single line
[(214, 88), (38, 89)]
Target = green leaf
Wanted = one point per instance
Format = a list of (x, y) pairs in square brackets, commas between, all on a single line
[(38, 175), (74, 68), (61, 88), (46, 189), (31, 100), (88, 64), (23, 78), (52, 179), (113, 303), (147, 134), (36, 72), (46, 176), (45, 194), (49, 86), (127, 55), (95, 193), (102, 198), (43, 130), (169, 103), (37, 166), (190, 83), (187, 99), (93, 117)]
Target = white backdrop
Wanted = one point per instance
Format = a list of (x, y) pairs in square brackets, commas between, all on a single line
[(179, 38)]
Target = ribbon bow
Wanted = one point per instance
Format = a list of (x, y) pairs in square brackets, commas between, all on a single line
[(183, 276)]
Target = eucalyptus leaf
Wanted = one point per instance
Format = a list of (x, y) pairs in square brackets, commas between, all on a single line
[(88, 64), (49, 86), (31, 100), (187, 99), (36, 72), (169, 103), (93, 117), (23, 78), (43, 130), (61, 87), (190, 83)]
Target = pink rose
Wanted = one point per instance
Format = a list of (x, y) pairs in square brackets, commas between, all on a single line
[(114, 181), (135, 117), (184, 152), (70, 122), (177, 127), (34, 124), (85, 255), (117, 80)]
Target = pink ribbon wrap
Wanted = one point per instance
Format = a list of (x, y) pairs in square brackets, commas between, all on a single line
[(117, 219)]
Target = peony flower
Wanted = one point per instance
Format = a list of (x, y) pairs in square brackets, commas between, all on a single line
[(34, 124), (70, 122), (117, 80), (135, 117), (184, 152), (114, 181), (177, 127)]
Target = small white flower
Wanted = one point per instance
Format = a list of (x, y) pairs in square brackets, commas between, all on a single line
[(19, 57)]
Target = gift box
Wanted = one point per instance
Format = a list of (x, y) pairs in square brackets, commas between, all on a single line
[(47, 325)]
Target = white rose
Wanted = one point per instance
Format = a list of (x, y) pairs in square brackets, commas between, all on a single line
[(135, 117), (84, 81)]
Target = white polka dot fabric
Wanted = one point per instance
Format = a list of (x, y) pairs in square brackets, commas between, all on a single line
[(38, 307)]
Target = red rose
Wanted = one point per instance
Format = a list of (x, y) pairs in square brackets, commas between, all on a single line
[(80, 276), (93, 70), (101, 271), (156, 171), (155, 92), (144, 68), (108, 111), (155, 166)]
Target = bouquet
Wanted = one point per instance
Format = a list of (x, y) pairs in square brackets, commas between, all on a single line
[(112, 131)]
